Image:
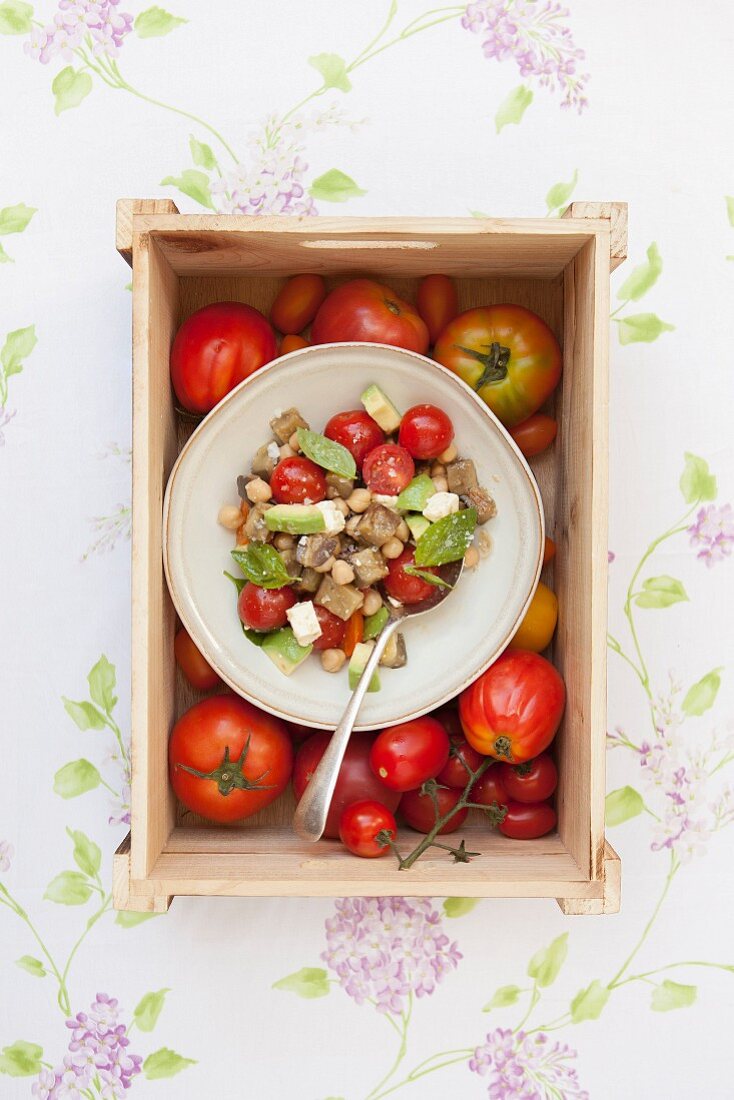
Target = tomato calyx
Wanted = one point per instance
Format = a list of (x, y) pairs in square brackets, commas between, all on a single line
[(393, 307), (503, 747), (229, 776), (494, 363), (524, 768)]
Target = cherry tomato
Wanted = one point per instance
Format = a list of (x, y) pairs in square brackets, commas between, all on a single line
[(549, 550), (448, 716), (438, 303), (333, 629), (419, 812), (299, 733), (215, 349), (365, 311), (356, 780), (360, 823), (292, 343), (507, 354), (535, 434), (388, 469), (356, 431), (513, 710), (354, 633), (264, 608), (404, 756), (195, 668), (528, 820), (297, 303), (490, 789), (455, 773), (227, 759), (539, 622), (533, 781), (296, 480), (425, 431), (404, 586)]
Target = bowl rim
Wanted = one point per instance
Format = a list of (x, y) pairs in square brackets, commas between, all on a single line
[(252, 379)]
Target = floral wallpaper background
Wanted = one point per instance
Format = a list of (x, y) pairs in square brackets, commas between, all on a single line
[(504, 107)]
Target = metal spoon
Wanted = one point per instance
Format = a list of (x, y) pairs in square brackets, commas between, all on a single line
[(309, 820)]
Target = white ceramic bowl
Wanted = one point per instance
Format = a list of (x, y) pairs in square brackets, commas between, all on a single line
[(447, 648)]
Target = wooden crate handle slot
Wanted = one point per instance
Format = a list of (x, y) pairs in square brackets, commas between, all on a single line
[(126, 208)]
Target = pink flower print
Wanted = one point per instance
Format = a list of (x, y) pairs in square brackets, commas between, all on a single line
[(45, 1084), (713, 533), (40, 44), (526, 1067), (7, 851)]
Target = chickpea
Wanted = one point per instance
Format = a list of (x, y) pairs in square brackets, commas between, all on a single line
[(258, 491), (293, 442), (342, 573), (403, 531), (449, 455), (471, 558), (286, 451), (359, 501), (372, 602), (230, 517), (282, 541), (393, 548), (331, 492), (341, 506), (438, 470), (327, 566), (332, 660), (440, 484)]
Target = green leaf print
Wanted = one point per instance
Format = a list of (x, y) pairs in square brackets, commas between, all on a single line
[(31, 966), (622, 805), (17, 347), (588, 1004), (4, 258), (102, 682), (672, 995), (335, 186), (641, 328), (545, 965), (660, 592), (202, 154), (459, 907), (86, 716), (505, 996), (193, 183), (513, 107), (165, 1063), (729, 199), (15, 17), (701, 696), (155, 22), (333, 69), (21, 1059), (127, 919), (149, 1008), (642, 277), (557, 198), (70, 88), (76, 778), (696, 482), (14, 219), (87, 854), (69, 888), (308, 982)]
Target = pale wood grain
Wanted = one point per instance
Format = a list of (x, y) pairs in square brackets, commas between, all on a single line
[(125, 209), (616, 214), (611, 899), (122, 895)]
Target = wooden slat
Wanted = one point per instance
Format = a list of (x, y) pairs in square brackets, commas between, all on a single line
[(125, 210), (616, 214), (611, 899), (122, 896)]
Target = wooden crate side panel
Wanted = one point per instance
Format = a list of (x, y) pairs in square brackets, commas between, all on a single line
[(125, 894), (155, 312), (616, 214), (612, 897), (126, 209)]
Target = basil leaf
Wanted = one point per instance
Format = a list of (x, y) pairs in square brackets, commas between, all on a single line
[(375, 624), (415, 496), (446, 540), (257, 637), (263, 565), (238, 582), (429, 578), (325, 452)]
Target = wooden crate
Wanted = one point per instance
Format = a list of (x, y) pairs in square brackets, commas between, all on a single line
[(558, 268)]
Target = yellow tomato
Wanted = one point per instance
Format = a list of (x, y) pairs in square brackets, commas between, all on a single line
[(536, 629)]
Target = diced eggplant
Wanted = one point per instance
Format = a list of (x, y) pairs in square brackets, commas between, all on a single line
[(315, 550), (341, 599), (284, 425), (242, 483), (309, 581), (342, 486), (255, 526), (483, 501), (290, 561), (369, 567), (263, 464), (462, 476), (378, 524), (395, 655)]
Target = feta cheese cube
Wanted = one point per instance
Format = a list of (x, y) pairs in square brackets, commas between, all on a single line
[(334, 520), (386, 500), (440, 505), (273, 450), (304, 623)]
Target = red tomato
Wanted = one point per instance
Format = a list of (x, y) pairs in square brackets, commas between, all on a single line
[(534, 434), (297, 302), (292, 343), (227, 759), (215, 349), (356, 781), (356, 431), (448, 716), (419, 812), (528, 820), (549, 550), (299, 733), (365, 311), (425, 431), (195, 668), (264, 608), (360, 823), (455, 773), (438, 303), (404, 586), (297, 479), (333, 629), (513, 710), (388, 469), (533, 781), (489, 788), (404, 756)]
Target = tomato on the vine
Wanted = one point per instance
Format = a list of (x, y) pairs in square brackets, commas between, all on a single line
[(528, 820), (535, 434), (387, 469), (361, 823), (227, 759), (194, 666), (533, 781), (365, 311), (539, 621), (404, 756), (462, 759), (264, 608), (297, 303), (425, 431), (296, 480), (490, 789), (356, 431), (438, 303), (292, 343), (420, 813)]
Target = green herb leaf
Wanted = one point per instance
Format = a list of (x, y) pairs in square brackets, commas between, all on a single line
[(127, 919), (333, 69), (325, 452), (308, 982), (202, 154), (375, 624), (86, 716), (513, 107), (429, 578), (70, 88), (641, 328), (257, 637), (165, 1063), (14, 219), (87, 854), (622, 805), (31, 966), (193, 183), (588, 1004), (416, 495), (447, 540), (102, 682), (335, 186), (660, 592), (156, 22), (545, 965), (149, 1008), (642, 277), (672, 995), (76, 778), (21, 1059), (560, 193), (701, 696), (15, 17), (17, 347), (696, 482), (459, 907), (69, 888), (505, 996), (238, 582), (262, 565), (729, 199)]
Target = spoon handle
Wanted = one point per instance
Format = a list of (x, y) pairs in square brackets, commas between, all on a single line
[(309, 820)]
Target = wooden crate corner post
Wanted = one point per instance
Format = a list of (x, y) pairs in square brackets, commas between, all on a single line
[(610, 900), (124, 894)]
